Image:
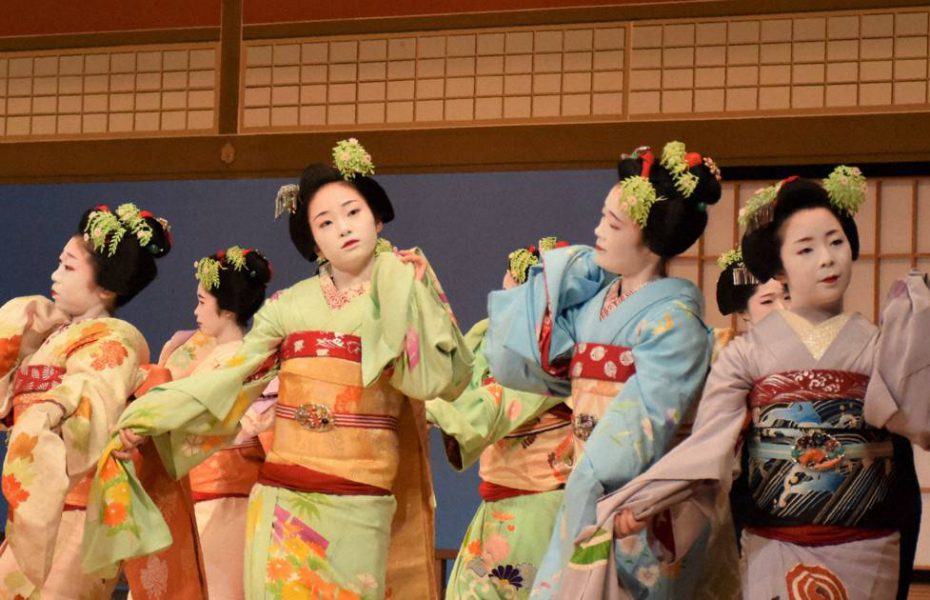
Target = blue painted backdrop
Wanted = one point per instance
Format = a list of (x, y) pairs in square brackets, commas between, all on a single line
[(466, 224)]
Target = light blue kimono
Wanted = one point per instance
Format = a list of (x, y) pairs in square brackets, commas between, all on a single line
[(671, 346)]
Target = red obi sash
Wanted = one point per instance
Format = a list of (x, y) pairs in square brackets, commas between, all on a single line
[(602, 361), (311, 344), (492, 492), (302, 479), (36, 378), (808, 386)]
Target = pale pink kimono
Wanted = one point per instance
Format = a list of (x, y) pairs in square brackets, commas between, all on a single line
[(688, 480)]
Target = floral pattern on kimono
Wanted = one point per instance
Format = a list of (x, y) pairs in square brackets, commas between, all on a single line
[(671, 346)]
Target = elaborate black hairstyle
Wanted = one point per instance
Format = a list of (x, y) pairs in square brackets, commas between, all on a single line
[(761, 243), (237, 278), (123, 246), (315, 177), (679, 217)]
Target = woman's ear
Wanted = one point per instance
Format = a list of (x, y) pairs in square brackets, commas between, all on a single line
[(379, 226), (108, 298)]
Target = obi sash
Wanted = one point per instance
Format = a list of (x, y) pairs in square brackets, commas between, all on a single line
[(30, 381), (534, 458), (813, 461), (229, 473), (331, 435), (592, 362)]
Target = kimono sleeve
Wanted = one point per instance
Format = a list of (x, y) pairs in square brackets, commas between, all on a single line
[(25, 322), (411, 331), (897, 397), (485, 413), (187, 420), (102, 358), (101, 374), (190, 418), (532, 330)]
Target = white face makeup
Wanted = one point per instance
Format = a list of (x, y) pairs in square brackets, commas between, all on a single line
[(619, 246), (768, 297), (817, 259), (74, 284), (343, 227), (211, 320)]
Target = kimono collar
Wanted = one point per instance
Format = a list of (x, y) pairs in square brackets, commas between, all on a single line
[(660, 290), (817, 338)]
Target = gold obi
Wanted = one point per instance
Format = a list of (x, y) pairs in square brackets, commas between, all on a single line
[(536, 457), (326, 421)]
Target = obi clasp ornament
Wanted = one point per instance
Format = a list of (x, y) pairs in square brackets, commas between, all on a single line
[(315, 417), (818, 451)]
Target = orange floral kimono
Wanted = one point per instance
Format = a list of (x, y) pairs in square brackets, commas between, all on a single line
[(88, 370)]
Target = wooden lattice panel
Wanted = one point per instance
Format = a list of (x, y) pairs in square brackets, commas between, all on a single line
[(454, 77), (816, 63), (113, 92), (825, 63), (894, 235)]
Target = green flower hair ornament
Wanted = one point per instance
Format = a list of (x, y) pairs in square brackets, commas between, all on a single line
[(520, 261), (104, 231), (845, 186), (675, 162), (637, 196), (350, 158), (730, 258), (207, 269), (207, 272), (759, 208), (847, 189), (130, 215)]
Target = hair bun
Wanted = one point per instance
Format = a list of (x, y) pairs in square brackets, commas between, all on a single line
[(162, 239), (258, 267), (708, 190)]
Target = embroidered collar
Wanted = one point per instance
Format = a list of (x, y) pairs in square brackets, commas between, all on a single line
[(335, 298), (816, 338), (613, 299)]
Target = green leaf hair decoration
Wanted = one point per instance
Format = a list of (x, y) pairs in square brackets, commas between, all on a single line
[(208, 272), (521, 260), (759, 208), (637, 195), (730, 258), (548, 243), (104, 230), (351, 159), (847, 188), (130, 216), (235, 257), (674, 161)]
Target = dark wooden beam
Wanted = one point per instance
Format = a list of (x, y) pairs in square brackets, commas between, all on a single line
[(102, 40), (588, 14), (744, 142), (230, 53)]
